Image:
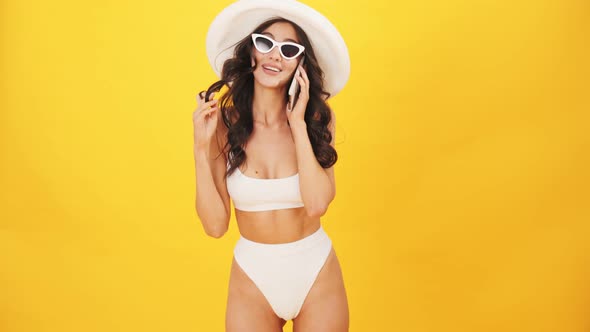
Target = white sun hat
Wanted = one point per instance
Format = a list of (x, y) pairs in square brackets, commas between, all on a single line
[(239, 19)]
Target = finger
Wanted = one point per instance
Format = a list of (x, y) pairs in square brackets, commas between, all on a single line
[(302, 84), (302, 71), (304, 74), (201, 96), (209, 97), (204, 103), (207, 112), (210, 109), (204, 110), (301, 78), (208, 104)]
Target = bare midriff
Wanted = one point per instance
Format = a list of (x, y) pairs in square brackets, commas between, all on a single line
[(276, 226)]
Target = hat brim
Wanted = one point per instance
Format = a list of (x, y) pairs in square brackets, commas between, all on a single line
[(239, 19)]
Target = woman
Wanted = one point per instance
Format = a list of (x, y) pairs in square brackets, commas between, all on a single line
[(274, 159)]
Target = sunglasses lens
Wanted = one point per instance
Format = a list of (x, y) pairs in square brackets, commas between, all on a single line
[(263, 44), (289, 50)]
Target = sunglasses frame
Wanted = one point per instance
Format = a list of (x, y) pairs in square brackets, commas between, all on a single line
[(279, 44)]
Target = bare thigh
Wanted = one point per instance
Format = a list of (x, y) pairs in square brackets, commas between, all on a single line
[(247, 309), (326, 306)]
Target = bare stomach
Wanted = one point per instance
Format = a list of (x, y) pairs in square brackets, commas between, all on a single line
[(276, 226)]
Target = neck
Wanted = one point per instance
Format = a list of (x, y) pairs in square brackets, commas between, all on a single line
[(269, 106)]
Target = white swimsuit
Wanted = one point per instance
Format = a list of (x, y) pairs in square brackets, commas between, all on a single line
[(252, 194), (285, 272)]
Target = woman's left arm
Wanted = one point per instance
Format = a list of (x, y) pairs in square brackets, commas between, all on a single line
[(316, 184)]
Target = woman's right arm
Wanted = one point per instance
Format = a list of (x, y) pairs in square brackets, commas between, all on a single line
[(212, 199)]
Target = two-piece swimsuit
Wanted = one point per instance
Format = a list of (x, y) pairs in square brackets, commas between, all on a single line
[(284, 272)]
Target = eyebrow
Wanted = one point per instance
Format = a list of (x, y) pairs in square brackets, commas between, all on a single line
[(288, 39)]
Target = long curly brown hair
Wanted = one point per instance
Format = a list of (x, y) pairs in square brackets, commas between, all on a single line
[(236, 103)]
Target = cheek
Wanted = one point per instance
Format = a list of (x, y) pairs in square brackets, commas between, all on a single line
[(256, 58), (291, 71), (253, 58)]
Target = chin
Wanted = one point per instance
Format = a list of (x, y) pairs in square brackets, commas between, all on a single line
[(270, 83)]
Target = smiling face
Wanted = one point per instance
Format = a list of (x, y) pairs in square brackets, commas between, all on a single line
[(272, 70)]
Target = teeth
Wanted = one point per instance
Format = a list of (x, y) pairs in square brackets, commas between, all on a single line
[(273, 69)]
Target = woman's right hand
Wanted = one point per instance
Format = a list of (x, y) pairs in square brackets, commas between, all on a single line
[(204, 121)]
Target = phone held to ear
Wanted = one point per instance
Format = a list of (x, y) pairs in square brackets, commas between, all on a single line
[(294, 87)]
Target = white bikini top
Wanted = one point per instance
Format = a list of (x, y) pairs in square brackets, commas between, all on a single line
[(252, 194)]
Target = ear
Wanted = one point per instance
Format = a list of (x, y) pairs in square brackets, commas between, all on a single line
[(252, 62)]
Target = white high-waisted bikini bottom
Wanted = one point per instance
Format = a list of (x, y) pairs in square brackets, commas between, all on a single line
[(284, 272)]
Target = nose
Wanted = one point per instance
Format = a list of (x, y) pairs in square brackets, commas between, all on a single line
[(274, 54)]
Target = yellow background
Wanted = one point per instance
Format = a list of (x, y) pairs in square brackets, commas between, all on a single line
[(463, 193)]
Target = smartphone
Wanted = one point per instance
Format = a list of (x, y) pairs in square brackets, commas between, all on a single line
[(294, 87)]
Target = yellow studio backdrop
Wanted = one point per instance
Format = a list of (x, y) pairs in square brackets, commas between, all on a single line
[(463, 189)]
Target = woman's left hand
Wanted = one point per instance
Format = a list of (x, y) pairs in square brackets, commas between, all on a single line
[(297, 113)]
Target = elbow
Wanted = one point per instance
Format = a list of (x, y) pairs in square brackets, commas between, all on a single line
[(215, 227), (316, 210), (319, 206), (216, 232)]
